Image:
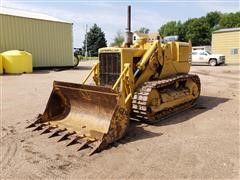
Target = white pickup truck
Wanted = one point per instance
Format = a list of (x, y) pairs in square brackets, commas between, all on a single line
[(205, 57)]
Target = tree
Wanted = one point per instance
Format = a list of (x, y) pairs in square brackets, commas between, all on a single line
[(173, 28), (198, 31), (143, 30), (230, 20), (213, 18), (180, 31), (95, 40), (118, 39), (169, 29)]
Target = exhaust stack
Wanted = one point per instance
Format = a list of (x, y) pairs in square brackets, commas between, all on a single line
[(128, 34)]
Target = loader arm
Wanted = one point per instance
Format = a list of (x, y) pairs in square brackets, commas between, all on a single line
[(150, 64)]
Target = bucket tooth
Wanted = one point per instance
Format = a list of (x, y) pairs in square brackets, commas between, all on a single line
[(31, 125), (74, 141), (39, 127), (35, 122), (83, 145), (56, 132), (46, 130), (95, 148), (66, 135)]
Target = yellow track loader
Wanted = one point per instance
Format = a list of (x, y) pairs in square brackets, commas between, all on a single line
[(147, 81)]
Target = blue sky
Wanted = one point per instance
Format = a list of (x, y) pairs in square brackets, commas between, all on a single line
[(111, 15)]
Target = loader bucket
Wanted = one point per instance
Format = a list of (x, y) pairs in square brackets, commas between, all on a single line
[(89, 115)]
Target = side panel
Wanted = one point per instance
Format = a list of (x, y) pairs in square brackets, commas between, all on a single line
[(224, 43), (183, 58), (177, 57)]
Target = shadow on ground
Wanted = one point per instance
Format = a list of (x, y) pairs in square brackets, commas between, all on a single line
[(50, 69), (83, 68), (35, 71), (204, 103), (20, 74), (57, 69), (45, 71), (219, 65), (136, 130), (78, 68)]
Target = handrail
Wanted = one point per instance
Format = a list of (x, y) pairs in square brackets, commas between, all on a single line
[(127, 87), (120, 77), (93, 68)]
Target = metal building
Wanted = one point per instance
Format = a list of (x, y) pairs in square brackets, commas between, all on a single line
[(227, 42), (49, 40)]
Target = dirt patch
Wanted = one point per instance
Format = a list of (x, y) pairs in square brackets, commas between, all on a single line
[(199, 143)]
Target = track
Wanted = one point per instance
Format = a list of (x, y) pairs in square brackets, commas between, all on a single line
[(139, 103)]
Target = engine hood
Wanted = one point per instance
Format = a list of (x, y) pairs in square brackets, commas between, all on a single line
[(215, 55)]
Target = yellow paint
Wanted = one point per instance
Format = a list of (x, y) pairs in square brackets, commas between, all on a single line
[(17, 62), (1, 64), (173, 58), (102, 113), (222, 42)]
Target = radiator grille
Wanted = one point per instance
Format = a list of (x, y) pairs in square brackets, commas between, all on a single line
[(110, 68)]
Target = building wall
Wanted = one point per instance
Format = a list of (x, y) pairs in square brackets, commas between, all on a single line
[(49, 42), (223, 42)]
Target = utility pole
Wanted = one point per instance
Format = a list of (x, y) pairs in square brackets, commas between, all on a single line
[(86, 54)]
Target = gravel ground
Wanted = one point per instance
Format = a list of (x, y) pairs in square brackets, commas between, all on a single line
[(199, 143)]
